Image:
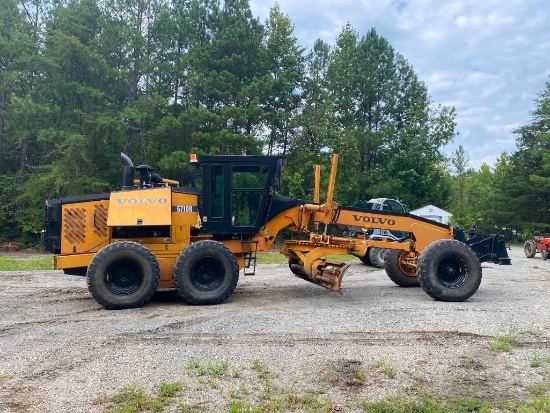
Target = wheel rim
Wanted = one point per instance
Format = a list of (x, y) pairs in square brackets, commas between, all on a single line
[(406, 269), (207, 274), (123, 277), (452, 272)]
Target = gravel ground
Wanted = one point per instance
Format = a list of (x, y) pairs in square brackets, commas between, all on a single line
[(276, 335)]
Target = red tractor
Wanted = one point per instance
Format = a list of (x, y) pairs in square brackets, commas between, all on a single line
[(537, 244)]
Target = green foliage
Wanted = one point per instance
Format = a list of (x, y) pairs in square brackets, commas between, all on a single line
[(82, 81)]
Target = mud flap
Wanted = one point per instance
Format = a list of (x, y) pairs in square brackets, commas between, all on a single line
[(326, 273)]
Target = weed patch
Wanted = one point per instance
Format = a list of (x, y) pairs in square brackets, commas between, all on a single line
[(132, 399), (261, 370), (4, 377), (385, 368), (536, 361), (502, 343)]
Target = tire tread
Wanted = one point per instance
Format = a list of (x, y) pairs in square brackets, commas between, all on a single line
[(104, 253), (429, 280), (188, 252)]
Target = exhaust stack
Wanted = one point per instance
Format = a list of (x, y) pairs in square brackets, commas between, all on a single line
[(128, 178)]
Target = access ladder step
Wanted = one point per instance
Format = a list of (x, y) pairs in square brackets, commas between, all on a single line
[(249, 257)]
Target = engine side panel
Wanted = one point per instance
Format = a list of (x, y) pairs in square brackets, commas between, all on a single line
[(84, 227)]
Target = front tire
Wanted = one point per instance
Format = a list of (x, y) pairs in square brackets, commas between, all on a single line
[(121, 275), (448, 270), (206, 273), (398, 271), (544, 255), (529, 248)]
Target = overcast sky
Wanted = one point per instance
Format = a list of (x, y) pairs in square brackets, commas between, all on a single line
[(487, 58)]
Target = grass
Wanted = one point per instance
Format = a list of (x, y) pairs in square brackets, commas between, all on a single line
[(132, 399), (261, 369), (503, 343), (26, 264), (246, 394), (423, 404), (538, 389), (536, 361), (385, 368), (4, 377), (286, 402), (516, 336)]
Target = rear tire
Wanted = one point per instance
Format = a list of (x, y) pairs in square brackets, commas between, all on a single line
[(206, 273), (377, 256), (544, 255), (121, 275), (401, 274), (529, 248), (448, 270)]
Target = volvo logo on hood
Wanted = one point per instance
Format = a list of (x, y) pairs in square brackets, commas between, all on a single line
[(142, 201)]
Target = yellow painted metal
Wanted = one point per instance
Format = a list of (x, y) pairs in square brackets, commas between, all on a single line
[(72, 261), (166, 182), (317, 191), (425, 232), (185, 216), (332, 180), (328, 209), (145, 207), (84, 227), (170, 182)]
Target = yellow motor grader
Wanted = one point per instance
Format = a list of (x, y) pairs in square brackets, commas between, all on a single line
[(153, 233)]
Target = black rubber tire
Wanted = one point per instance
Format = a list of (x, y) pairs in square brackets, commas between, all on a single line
[(449, 270), (398, 272), (124, 274), (365, 258), (206, 273), (530, 248), (377, 257), (544, 255)]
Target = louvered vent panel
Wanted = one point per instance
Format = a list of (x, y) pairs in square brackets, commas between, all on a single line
[(100, 220), (74, 225)]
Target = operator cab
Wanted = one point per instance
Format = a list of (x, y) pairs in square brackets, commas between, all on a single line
[(237, 192)]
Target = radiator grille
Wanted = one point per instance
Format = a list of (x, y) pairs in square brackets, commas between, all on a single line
[(100, 220), (74, 225)]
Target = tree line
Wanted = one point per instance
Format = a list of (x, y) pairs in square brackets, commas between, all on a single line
[(83, 80)]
